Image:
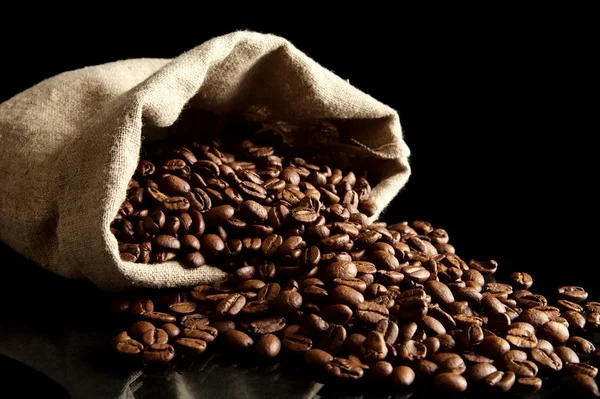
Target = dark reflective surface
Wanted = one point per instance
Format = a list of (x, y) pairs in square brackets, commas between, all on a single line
[(55, 338)]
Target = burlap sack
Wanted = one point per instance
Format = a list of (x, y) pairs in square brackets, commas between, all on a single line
[(69, 145)]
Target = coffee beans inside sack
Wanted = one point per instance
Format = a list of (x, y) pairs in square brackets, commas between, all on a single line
[(314, 281)]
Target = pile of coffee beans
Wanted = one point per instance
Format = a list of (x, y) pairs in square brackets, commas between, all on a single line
[(313, 281)]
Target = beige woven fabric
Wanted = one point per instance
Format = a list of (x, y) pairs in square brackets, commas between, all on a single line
[(69, 145)]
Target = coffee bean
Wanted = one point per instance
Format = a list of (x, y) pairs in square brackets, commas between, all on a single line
[(412, 308), (341, 270), (533, 316), (411, 351), (182, 307), (138, 328), (237, 340), (268, 346), (580, 345), (211, 244), (343, 369), (127, 346), (232, 305), (501, 381), (171, 329), (341, 294), (296, 343), (333, 339), (584, 384), (529, 384), (190, 346), (287, 301), (521, 280), (192, 320), (380, 370), (480, 371), (159, 353), (554, 332), (521, 338), (402, 376), (581, 368), (546, 360), (440, 293), (566, 354), (576, 320), (369, 312), (572, 293), (449, 362), (449, 382), (516, 361)]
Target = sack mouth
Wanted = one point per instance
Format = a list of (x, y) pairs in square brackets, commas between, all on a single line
[(347, 144)]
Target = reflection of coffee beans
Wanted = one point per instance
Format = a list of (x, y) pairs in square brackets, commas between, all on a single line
[(313, 280)]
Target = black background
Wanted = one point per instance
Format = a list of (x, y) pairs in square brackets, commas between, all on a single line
[(494, 106), (497, 110)]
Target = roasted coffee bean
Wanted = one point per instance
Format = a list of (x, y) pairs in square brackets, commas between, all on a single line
[(449, 382), (370, 312), (380, 371), (211, 244), (333, 339), (449, 362), (384, 260), (521, 280), (431, 326), (171, 329), (484, 267), (584, 384), (533, 316), (516, 361), (142, 306), (411, 350), (521, 338), (338, 313), (173, 185), (566, 354), (205, 333), (159, 353), (126, 345), (501, 381), (410, 308), (529, 384), (580, 345), (334, 243), (572, 293), (268, 346), (581, 368), (267, 326), (546, 360), (295, 342), (575, 319), (593, 320), (190, 346), (341, 270), (192, 320), (374, 348), (317, 358), (182, 307), (341, 294), (287, 301), (402, 377), (344, 369), (232, 305), (480, 371), (237, 340), (440, 293), (554, 332)]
